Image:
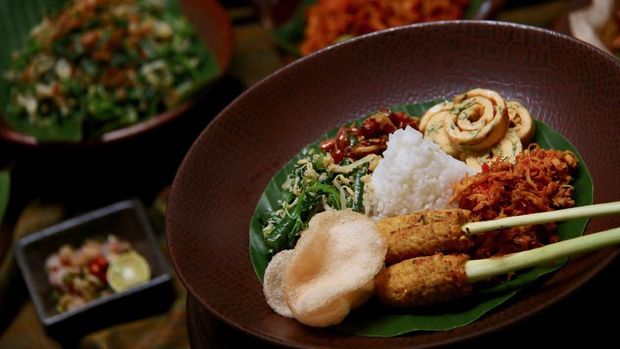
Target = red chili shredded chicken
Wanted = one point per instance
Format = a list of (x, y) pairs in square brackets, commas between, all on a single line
[(537, 182)]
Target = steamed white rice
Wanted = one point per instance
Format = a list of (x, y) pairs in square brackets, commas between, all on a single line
[(415, 174)]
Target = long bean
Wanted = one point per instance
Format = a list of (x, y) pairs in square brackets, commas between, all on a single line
[(277, 239), (358, 189)]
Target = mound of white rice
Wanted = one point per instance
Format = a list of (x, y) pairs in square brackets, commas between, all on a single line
[(415, 174)]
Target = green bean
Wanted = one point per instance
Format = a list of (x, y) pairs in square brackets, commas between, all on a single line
[(358, 189), (285, 233), (331, 191), (277, 240)]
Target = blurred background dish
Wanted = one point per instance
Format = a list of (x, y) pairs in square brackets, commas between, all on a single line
[(304, 26), (209, 246), (43, 270), (596, 22), (131, 161), (58, 106)]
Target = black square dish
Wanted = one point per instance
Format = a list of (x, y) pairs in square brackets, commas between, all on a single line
[(128, 221)]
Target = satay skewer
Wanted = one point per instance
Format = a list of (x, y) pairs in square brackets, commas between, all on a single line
[(543, 217), (449, 231), (429, 280), (425, 233)]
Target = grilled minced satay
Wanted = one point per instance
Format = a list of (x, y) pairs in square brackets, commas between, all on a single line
[(430, 280), (423, 281), (425, 233)]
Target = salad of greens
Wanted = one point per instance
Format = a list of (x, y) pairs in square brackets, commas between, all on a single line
[(331, 175), (100, 65), (316, 184)]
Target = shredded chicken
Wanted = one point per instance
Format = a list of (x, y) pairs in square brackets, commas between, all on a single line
[(539, 181)]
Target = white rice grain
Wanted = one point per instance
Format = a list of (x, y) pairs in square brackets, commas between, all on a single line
[(415, 174)]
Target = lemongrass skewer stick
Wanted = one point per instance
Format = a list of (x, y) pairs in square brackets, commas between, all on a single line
[(543, 217), (481, 269), (429, 280)]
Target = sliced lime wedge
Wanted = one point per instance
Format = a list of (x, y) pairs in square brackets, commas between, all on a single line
[(127, 270)]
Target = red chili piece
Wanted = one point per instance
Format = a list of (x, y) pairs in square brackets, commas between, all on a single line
[(98, 267), (370, 138)]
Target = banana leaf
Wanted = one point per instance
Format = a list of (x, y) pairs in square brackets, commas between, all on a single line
[(18, 17), (375, 320), (289, 35)]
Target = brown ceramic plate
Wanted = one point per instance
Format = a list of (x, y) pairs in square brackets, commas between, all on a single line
[(563, 81), (215, 29)]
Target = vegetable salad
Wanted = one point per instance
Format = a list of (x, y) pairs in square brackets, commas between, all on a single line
[(100, 65)]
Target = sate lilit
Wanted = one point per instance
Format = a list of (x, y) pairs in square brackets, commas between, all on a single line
[(423, 281), (429, 280), (425, 233)]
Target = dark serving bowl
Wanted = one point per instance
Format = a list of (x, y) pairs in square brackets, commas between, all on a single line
[(128, 221), (566, 83), (214, 27)]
